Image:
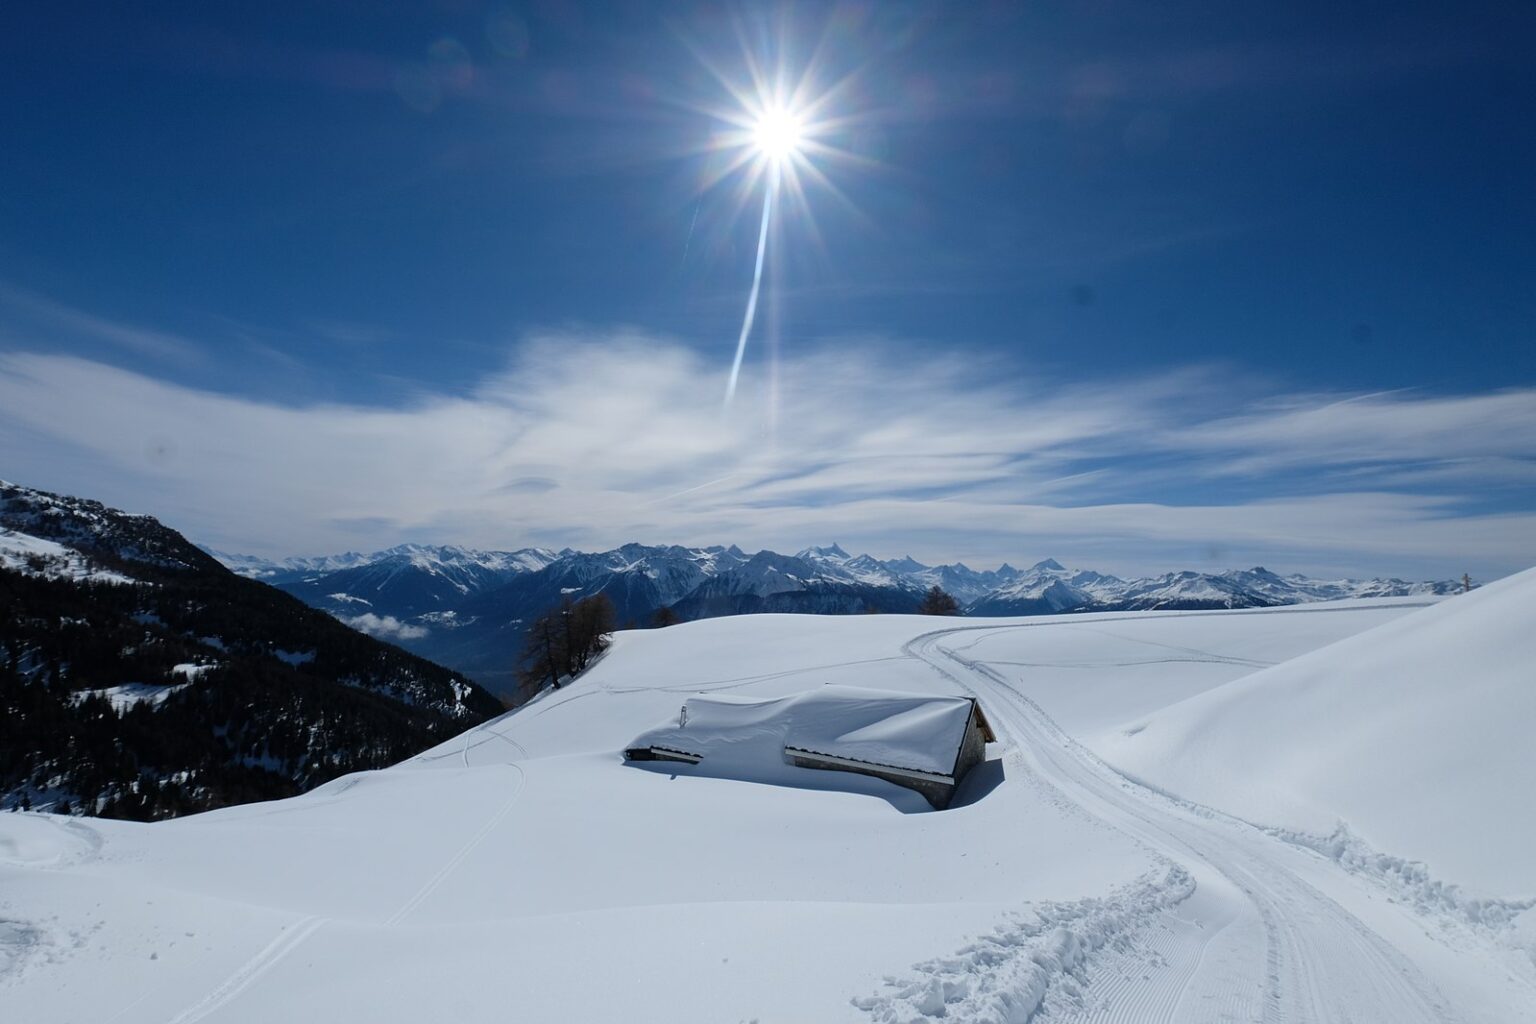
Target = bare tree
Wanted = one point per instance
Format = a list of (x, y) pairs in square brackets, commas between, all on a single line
[(591, 629), (562, 642), (544, 655)]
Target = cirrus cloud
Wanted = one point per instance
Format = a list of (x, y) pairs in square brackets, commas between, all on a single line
[(594, 440)]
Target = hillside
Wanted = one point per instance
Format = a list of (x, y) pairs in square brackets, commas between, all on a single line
[(529, 851), (1415, 736), (142, 679)]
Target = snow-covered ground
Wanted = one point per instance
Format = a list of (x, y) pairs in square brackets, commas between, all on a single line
[(1417, 735), (523, 871), (126, 695), (38, 556)]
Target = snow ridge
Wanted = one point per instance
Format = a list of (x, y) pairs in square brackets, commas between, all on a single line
[(440, 560), (1410, 880), (1004, 978)]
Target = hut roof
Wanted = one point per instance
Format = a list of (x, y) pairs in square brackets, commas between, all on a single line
[(916, 732)]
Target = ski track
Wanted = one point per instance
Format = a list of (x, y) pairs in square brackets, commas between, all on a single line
[(1096, 665), (289, 939), (295, 935), (1307, 958), (432, 884), (1126, 987), (1194, 652), (485, 735)]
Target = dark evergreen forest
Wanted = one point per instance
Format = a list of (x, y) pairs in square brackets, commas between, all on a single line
[(282, 699)]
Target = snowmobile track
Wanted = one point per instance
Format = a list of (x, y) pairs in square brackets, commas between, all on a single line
[(1316, 961)]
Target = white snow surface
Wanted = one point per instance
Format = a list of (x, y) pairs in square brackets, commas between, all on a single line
[(524, 871), (22, 552), (126, 695), (884, 727), (1417, 734)]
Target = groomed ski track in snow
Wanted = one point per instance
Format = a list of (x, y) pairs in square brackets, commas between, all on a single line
[(1317, 962)]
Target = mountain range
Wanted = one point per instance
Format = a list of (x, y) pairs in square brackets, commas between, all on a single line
[(467, 609), (140, 677)]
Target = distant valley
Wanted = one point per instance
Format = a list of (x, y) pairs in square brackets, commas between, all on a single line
[(467, 609)]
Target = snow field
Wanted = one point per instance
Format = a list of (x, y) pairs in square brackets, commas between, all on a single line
[(527, 851), (1417, 735), (523, 871)]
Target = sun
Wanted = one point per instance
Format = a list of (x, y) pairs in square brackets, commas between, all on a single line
[(778, 134), (779, 125)]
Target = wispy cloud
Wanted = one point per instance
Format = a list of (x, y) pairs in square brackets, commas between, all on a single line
[(55, 318), (1389, 428), (595, 440)]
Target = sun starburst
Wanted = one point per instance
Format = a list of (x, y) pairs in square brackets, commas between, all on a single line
[(779, 127), (777, 134)]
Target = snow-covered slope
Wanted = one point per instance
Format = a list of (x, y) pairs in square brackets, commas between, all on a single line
[(590, 890), (84, 538), (37, 556), (1417, 735), (1049, 587), (523, 870)]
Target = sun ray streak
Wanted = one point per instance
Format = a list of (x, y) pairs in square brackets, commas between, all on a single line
[(691, 225), (757, 282), (776, 124)]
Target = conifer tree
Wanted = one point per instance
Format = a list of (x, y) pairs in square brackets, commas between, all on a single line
[(937, 602)]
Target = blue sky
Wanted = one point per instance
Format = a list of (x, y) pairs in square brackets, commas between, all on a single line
[(1144, 286)]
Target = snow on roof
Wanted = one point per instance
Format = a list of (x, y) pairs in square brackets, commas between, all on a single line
[(917, 732)]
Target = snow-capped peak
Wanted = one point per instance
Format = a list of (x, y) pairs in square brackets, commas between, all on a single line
[(825, 554)]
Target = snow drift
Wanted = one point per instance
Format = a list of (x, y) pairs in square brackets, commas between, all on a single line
[(1415, 736)]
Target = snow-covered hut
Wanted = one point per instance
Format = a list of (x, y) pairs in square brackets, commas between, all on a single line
[(922, 742)]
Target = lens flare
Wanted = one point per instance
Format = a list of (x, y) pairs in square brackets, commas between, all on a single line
[(777, 134), (777, 137), (779, 130), (757, 284)]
